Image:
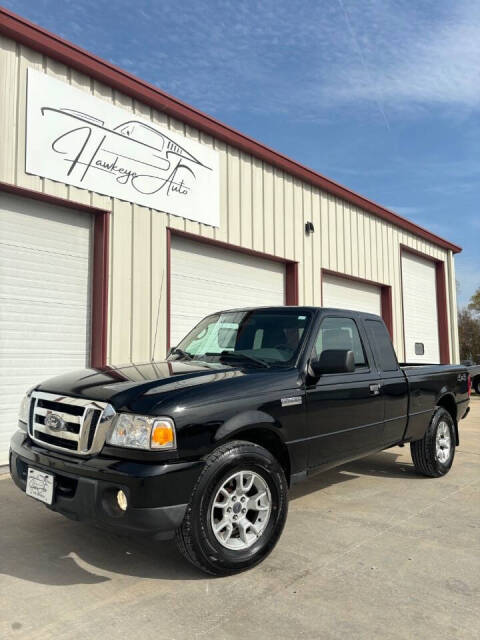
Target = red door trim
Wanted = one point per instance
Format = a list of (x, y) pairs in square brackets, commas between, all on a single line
[(441, 293), (385, 293), (291, 267), (98, 346)]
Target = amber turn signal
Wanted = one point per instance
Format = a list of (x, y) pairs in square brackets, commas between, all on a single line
[(163, 435)]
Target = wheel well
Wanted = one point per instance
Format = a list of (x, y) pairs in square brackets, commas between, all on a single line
[(448, 403), (269, 441)]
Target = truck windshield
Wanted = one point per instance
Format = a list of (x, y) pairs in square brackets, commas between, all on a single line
[(263, 337)]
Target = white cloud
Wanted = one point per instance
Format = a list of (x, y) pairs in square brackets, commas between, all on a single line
[(411, 57), (393, 55)]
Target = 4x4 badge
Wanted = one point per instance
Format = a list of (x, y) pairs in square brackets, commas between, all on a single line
[(288, 402)]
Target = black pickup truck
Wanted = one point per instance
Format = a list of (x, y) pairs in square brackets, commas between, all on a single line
[(204, 446)]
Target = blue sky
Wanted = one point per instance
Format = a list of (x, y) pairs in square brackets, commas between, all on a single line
[(380, 95)]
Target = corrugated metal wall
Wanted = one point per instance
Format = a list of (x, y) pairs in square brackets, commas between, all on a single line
[(261, 208)]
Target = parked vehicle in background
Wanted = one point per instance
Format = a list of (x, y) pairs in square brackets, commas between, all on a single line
[(204, 446), (474, 372)]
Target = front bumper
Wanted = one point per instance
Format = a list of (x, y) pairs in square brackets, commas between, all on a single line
[(86, 489)]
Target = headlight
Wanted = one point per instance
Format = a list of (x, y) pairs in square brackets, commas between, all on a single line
[(142, 432), (24, 411)]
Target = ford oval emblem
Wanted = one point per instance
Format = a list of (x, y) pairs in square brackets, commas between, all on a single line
[(54, 422)]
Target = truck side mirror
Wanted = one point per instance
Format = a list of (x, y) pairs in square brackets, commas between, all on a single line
[(334, 361)]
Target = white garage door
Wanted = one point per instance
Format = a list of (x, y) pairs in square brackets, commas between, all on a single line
[(205, 279), (420, 315), (44, 299), (341, 293)]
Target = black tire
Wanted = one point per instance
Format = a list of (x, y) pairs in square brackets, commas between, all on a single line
[(424, 451), (195, 538)]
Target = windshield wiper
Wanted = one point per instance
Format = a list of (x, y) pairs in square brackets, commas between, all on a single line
[(239, 355), (180, 352)]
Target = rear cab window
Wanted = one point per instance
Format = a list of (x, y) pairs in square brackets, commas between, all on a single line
[(382, 345)]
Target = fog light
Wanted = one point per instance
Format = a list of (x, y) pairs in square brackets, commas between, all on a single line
[(122, 500)]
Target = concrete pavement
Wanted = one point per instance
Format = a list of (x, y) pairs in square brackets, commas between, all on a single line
[(370, 550)]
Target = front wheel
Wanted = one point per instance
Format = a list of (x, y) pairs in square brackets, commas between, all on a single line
[(433, 454), (237, 510)]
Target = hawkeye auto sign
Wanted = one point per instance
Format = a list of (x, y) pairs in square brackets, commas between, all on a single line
[(75, 138)]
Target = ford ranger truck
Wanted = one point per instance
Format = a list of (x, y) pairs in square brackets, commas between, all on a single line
[(204, 446)]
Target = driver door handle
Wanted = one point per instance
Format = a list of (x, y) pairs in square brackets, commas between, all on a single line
[(375, 389)]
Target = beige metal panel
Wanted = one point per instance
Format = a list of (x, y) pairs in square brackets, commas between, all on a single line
[(8, 108), (347, 238), (268, 210), (308, 244), (206, 230), (354, 238), (449, 310), (32, 59), (325, 252), (369, 248), (141, 285), (59, 72), (221, 232), (332, 234), (339, 259), (120, 312), (384, 260), (395, 282), (360, 241), (316, 248), (257, 204), (278, 214), (289, 216), (298, 235), (159, 285), (452, 289), (246, 213), (233, 189), (378, 242)]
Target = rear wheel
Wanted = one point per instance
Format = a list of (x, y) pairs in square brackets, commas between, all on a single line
[(433, 454), (237, 510)]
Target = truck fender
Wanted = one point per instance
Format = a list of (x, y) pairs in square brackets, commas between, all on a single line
[(262, 429), (247, 420)]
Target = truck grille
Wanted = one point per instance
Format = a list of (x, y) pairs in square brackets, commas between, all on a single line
[(67, 424)]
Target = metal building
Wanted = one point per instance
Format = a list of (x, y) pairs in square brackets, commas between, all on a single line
[(127, 215)]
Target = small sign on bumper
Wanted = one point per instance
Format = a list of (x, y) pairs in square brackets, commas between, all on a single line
[(40, 485)]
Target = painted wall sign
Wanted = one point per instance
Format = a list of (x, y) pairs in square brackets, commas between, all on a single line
[(76, 138)]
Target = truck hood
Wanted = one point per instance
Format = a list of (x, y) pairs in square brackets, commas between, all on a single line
[(138, 387)]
